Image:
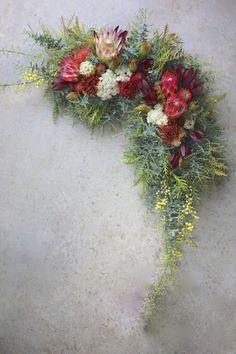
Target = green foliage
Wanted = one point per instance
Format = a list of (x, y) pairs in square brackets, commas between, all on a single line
[(138, 33), (45, 39), (166, 47)]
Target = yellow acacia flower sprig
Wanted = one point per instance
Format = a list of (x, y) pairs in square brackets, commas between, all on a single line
[(32, 77), (172, 247)]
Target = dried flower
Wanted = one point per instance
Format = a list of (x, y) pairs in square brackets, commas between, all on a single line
[(87, 68), (123, 73)]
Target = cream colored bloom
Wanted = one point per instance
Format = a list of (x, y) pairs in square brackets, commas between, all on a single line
[(87, 68), (107, 86), (123, 73), (156, 116), (189, 124)]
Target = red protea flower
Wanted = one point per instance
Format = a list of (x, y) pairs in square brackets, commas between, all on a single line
[(69, 69), (169, 83), (185, 94), (81, 54), (169, 133), (87, 85), (127, 89), (70, 64), (175, 107)]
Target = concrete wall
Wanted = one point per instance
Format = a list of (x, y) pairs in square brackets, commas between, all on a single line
[(78, 247)]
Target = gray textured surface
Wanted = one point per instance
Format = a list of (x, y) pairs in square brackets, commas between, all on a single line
[(77, 246)]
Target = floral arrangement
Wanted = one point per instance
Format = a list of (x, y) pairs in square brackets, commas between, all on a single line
[(163, 96)]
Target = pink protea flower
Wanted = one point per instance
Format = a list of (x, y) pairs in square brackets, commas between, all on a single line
[(185, 94), (69, 69), (70, 65), (175, 107), (169, 83), (109, 45)]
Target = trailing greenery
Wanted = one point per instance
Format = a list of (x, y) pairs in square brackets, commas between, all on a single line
[(174, 192)]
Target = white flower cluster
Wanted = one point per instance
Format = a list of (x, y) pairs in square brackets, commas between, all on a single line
[(189, 124), (123, 73), (157, 116), (87, 68), (107, 86)]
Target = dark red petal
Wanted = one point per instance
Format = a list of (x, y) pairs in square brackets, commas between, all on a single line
[(123, 35), (184, 149), (188, 76), (178, 70), (197, 89), (192, 84), (146, 64), (196, 135), (58, 85), (174, 159)]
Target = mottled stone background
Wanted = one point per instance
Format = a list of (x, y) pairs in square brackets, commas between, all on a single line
[(77, 246)]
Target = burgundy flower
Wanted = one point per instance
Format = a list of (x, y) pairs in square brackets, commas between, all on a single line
[(146, 86), (196, 88), (59, 85), (146, 64), (174, 159), (196, 135), (189, 81), (151, 98), (127, 89), (187, 76), (184, 149), (178, 154), (138, 79)]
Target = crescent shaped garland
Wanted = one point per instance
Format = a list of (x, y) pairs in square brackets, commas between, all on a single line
[(164, 97)]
